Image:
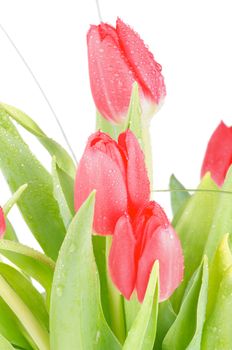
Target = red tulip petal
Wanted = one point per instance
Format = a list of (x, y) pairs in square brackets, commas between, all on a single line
[(138, 185), (104, 143), (98, 171), (121, 258), (110, 77), (148, 220), (2, 223), (165, 247), (218, 156), (147, 70)]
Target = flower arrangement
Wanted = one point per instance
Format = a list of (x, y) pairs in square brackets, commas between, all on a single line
[(114, 273)]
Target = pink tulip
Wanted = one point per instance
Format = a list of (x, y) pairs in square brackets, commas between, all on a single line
[(117, 58), (137, 243), (2, 223), (118, 174), (218, 156)]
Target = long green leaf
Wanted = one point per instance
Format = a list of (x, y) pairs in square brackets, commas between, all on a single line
[(134, 114), (63, 185), (36, 333), (4, 344), (166, 317), (33, 263), (11, 328), (14, 199), (222, 222), (10, 233), (99, 248), (143, 331), (26, 291), (186, 331), (131, 309), (193, 228), (37, 204), (63, 159), (178, 199), (220, 264), (77, 320), (108, 127), (217, 331)]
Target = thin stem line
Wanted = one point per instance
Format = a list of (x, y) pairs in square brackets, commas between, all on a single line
[(98, 10), (41, 90), (193, 190)]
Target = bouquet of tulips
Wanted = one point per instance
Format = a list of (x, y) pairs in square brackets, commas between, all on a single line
[(113, 271)]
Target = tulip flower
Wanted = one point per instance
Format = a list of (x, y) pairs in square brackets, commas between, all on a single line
[(218, 156), (116, 170), (117, 58), (2, 223), (137, 243)]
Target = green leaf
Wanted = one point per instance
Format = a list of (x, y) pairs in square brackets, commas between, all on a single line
[(220, 264), (132, 119), (4, 344), (166, 317), (63, 185), (14, 199), (217, 331), (63, 159), (37, 204), (10, 233), (11, 328), (99, 248), (33, 263), (139, 124), (193, 228), (186, 331), (222, 221), (131, 309), (36, 333), (143, 331), (76, 317), (134, 114), (26, 291), (109, 127), (178, 199)]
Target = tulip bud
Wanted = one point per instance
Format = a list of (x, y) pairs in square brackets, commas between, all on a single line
[(117, 172), (117, 58), (137, 243), (218, 156), (2, 223)]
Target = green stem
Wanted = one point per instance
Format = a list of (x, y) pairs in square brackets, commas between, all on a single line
[(146, 139), (116, 303), (39, 336), (193, 190)]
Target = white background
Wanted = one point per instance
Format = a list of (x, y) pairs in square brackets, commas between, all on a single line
[(191, 39)]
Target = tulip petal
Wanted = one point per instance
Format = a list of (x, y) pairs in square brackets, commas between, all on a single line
[(2, 223), (121, 258), (165, 247), (218, 156), (148, 220), (110, 77), (138, 185), (98, 171), (147, 70)]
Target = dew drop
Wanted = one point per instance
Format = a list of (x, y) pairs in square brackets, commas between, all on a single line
[(72, 248), (59, 291), (98, 334)]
